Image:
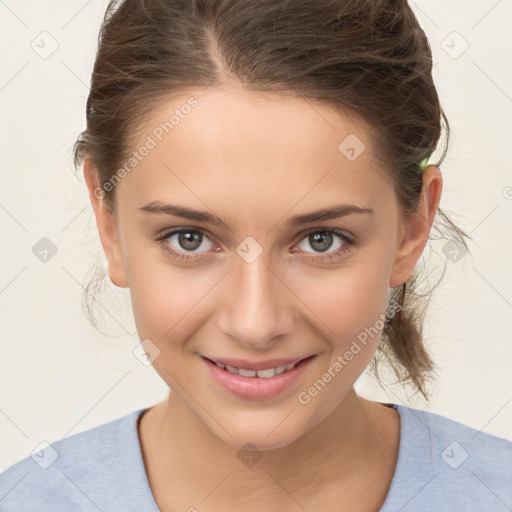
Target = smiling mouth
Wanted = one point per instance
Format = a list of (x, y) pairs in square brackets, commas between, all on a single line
[(262, 374)]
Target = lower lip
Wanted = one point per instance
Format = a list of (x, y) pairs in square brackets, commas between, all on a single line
[(256, 388)]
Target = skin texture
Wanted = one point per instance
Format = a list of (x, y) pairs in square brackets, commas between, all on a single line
[(255, 160)]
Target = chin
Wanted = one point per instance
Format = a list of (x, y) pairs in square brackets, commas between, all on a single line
[(259, 434)]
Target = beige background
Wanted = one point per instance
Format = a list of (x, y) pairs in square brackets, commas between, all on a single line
[(59, 376)]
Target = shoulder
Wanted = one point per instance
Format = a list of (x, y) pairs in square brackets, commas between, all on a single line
[(457, 443), (445, 464), (81, 472)]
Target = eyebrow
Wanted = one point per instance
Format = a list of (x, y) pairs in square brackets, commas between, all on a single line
[(333, 212)]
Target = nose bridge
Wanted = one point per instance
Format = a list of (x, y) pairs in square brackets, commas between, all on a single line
[(257, 309)]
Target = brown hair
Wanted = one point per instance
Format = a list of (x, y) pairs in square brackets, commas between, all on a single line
[(369, 57)]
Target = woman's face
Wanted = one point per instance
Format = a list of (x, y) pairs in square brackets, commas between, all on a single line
[(259, 274)]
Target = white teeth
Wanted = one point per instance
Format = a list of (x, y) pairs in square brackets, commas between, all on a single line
[(262, 374), (247, 373), (266, 374)]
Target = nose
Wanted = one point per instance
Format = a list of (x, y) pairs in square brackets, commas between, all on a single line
[(257, 307)]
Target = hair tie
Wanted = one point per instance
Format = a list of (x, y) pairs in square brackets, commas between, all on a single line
[(424, 163)]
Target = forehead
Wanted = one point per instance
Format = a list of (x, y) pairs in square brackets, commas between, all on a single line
[(257, 121), (255, 147)]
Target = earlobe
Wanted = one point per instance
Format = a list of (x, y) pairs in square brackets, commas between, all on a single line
[(106, 224), (416, 228)]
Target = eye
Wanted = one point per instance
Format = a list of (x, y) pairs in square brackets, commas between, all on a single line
[(185, 243), (325, 239)]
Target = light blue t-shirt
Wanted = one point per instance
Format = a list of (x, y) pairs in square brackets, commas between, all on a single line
[(442, 466)]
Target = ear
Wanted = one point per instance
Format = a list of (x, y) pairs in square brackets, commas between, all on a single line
[(106, 223), (416, 227)]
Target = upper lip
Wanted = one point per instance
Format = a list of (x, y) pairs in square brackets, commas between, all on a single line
[(256, 365)]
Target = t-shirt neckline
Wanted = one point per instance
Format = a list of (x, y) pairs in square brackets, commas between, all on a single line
[(131, 456)]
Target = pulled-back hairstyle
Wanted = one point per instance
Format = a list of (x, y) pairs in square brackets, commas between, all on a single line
[(368, 57)]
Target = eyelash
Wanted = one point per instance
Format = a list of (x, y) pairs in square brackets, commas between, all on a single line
[(348, 244)]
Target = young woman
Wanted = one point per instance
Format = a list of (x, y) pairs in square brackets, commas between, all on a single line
[(260, 178)]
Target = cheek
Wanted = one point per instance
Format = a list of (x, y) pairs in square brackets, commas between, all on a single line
[(167, 300), (167, 309), (348, 305), (345, 300)]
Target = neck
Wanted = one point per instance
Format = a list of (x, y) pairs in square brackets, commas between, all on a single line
[(178, 447)]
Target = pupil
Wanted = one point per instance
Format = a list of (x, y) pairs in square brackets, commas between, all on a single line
[(324, 241), (190, 240)]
